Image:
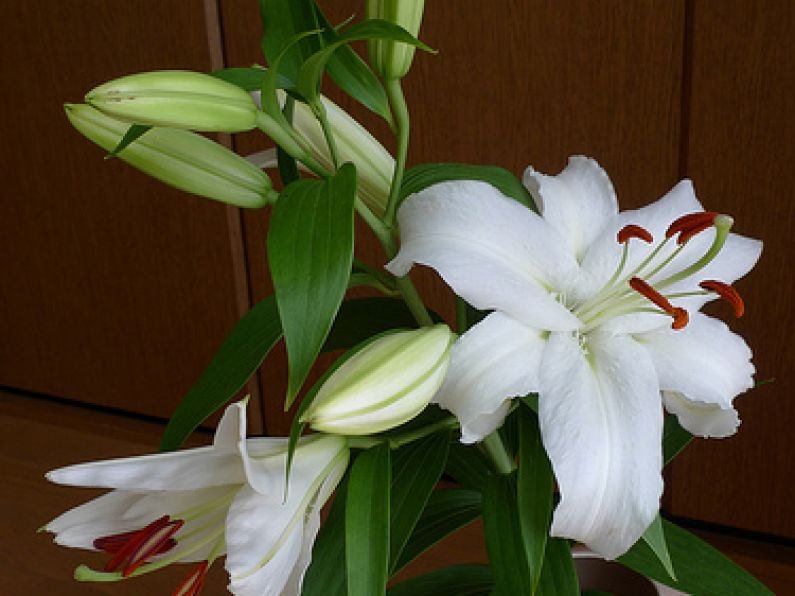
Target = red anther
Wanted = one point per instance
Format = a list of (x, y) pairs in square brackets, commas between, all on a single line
[(633, 231), (646, 290), (728, 293), (152, 545), (123, 552), (691, 221), (689, 233), (681, 318), (192, 584), (113, 544)]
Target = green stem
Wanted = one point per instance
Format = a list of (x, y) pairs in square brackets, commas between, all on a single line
[(460, 315), (413, 301), (495, 449), (401, 439), (320, 114), (394, 92)]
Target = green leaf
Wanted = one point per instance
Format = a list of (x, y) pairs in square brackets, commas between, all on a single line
[(281, 21), (239, 357), (416, 469), (310, 251), (288, 168), (534, 492), (468, 466), (675, 438), (701, 570), (504, 537), (458, 580), (248, 78), (311, 71), (425, 175), (324, 577), (446, 511), (367, 522), (558, 575), (133, 133), (654, 536)]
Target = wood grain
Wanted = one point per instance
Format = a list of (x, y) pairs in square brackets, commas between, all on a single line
[(739, 152)]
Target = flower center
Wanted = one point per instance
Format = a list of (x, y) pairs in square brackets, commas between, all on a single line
[(634, 291)]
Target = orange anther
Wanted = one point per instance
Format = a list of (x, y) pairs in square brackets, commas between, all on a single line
[(192, 584), (681, 318), (691, 224), (728, 293), (633, 231), (646, 290)]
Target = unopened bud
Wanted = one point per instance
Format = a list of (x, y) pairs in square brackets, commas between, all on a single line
[(179, 158), (387, 383), (392, 59), (177, 99)]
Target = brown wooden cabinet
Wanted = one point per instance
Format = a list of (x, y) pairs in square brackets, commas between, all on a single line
[(116, 290)]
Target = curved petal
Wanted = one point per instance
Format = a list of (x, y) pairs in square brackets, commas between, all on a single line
[(700, 419), (495, 360), (601, 424), (705, 361), (102, 516), (296, 579), (578, 202), (494, 252)]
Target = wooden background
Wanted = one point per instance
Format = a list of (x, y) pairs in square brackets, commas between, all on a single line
[(116, 290)]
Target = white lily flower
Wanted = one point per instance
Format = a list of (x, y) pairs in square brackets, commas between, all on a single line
[(197, 504), (597, 318)]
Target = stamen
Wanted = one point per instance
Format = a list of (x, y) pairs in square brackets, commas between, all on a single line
[(647, 291), (192, 584), (728, 293), (690, 221), (681, 318), (151, 546), (633, 231), (132, 549)]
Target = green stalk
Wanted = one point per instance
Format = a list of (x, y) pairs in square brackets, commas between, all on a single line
[(399, 440), (394, 92), (495, 449)]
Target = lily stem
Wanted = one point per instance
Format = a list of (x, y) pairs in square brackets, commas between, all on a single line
[(394, 92), (495, 449)]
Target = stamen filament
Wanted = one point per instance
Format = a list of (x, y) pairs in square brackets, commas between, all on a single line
[(723, 224)]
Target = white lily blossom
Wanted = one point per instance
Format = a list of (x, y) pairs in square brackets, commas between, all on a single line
[(597, 312), (198, 504)]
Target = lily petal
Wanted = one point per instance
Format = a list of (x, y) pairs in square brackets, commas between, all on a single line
[(601, 424), (578, 202), (495, 360), (700, 419), (102, 516), (494, 252), (705, 361)]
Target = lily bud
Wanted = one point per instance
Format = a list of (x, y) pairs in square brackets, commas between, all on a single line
[(179, 158), (387, 383), (392, 59), (178, 99)]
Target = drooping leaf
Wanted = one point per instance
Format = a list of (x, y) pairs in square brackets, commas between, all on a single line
[(507, 554), (675, 438), (367, 522), (458, 580), (239, 357), (558, 575), (310, 250), (324, 577), (534, 492), (654, 536), (446, 511), (428, 174), (701, 570), (281, 21), (416, 469)]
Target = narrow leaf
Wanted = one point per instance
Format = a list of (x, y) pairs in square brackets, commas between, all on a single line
[(468, 466), (700, 569), (534, 492), (460, 580), (248, 78), (654, 536), (425, 175), (446, 511), (675, 438), (504, 538), (281, 21), (239, 357), (133, 134), (558, 576), (310, 251), (324, 576), (416, 469), (367, 523)]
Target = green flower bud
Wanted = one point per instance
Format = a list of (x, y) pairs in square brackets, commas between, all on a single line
[(180, 158), (385, 384), (178, 99), (392, 59)]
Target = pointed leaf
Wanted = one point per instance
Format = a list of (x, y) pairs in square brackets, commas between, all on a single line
[(558, 575), (248, 78), (310, 251), (654, 536), (534, 492), (468, 466), (239, 357), (428, 174), (133, 133), (324, 576), (701, 570), (460, 580), (283, 19), (367, 522), (446, 511), (416, 469), (675, 438)]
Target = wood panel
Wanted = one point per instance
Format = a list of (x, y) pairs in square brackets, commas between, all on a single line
[(515, 83), (116, 289), (739, 153)]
